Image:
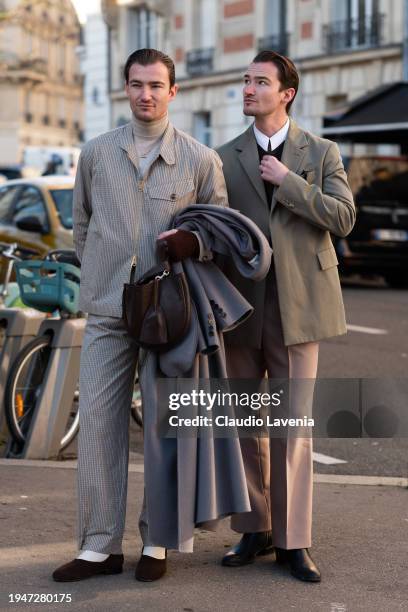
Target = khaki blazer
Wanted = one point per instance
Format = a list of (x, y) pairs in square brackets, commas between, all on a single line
[(313, 201)]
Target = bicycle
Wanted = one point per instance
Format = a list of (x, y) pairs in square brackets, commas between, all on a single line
[(17, 325), (26, 379), (50, 284)]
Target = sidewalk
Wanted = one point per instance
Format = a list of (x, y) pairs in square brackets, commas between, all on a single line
[(360, 544)]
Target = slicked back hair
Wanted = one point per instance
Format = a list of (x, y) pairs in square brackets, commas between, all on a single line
[(288, 75), (146, 57)]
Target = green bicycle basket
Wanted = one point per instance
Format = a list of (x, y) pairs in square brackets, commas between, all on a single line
[(47, 285)]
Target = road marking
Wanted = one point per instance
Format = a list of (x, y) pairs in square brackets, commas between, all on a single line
[(367, 330), (376, 481), (326, 459)]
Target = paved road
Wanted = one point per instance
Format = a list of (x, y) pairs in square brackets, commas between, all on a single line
[(359, 542), (360, 354), (372, 355)]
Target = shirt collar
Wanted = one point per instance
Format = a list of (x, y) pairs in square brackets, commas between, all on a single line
[(276, 139)]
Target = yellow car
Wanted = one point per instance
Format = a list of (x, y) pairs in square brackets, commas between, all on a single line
[(37, 213)]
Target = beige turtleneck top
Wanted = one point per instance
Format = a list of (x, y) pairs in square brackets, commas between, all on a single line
[(147, 137)]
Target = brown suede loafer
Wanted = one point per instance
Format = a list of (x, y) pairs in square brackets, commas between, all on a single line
[(79, 569), (149, 569)]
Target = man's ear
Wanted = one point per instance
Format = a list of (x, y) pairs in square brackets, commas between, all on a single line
[(173, 91), (289, 94)]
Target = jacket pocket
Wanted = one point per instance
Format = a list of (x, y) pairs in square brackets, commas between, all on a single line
[(327, 258), (172, 192)]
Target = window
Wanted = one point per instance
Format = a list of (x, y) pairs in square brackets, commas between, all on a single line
[(205, 19), (61, 60), (27, 102), (30, 203), (61, 111), (7, 195), (202, 127), (143, 28), (275, 11), (355, 23), (275, 37), (63, 203)]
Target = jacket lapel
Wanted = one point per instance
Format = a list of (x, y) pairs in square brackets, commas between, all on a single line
[(294, 152), (249, 159)]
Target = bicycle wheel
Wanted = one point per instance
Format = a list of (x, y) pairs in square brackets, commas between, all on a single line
[(136, 407), (23, 386), (23, 389), (73, 422)]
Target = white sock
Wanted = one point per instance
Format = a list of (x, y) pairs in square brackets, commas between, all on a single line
[(157, 552), (90, 555)]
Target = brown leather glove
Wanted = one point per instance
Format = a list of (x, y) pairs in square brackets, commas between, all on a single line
[(180, 245)]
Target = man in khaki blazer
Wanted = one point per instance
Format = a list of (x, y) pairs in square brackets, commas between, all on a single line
[(293, 185)]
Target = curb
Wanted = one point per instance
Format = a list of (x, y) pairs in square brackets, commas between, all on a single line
[(137, 467)]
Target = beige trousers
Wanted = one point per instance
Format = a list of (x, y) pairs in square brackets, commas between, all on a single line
[(279, 471)]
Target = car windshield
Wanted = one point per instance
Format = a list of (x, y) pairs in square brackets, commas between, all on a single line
[(63, 203)]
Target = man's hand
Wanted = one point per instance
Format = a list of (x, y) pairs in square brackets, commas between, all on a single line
[(179, 244), (272, 170)]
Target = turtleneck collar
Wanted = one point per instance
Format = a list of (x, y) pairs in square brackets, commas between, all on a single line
[(151, 129)]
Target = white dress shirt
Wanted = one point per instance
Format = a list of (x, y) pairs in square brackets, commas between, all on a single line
[(275, 140)]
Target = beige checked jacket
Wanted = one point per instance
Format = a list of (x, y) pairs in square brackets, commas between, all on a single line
[(118, 215)]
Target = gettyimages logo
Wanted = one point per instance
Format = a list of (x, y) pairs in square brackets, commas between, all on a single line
[(338, 408), (219, 401)]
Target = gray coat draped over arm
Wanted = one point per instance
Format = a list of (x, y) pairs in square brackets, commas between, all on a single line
[(198, 479)]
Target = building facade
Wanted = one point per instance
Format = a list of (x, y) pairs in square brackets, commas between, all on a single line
[(40, 82), (342, 48), (94, 59)]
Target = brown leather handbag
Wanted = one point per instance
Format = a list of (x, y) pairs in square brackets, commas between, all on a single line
[(156, 309)]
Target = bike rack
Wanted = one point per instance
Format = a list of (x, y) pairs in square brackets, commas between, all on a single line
[(52, 411), (21, 325)]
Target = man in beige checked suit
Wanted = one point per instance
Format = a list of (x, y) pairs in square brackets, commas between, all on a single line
[(130, 183)]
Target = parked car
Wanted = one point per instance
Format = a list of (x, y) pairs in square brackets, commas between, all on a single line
[(37, 213), (378, 243), (10, 172)]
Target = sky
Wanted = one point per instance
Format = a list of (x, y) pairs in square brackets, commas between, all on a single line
[(85, 7)]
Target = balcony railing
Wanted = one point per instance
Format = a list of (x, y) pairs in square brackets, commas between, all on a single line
[(199, 61), (275, 42), (354, 33)]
